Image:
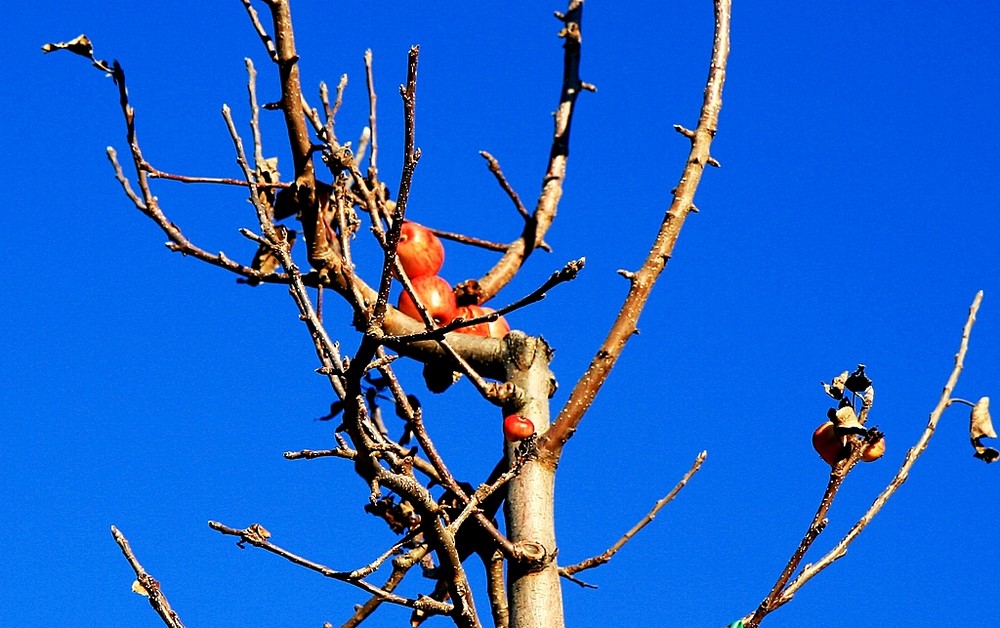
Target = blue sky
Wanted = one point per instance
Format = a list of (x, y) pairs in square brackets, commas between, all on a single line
[(854, 219)]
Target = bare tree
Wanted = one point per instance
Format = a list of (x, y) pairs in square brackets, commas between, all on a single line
[(336, 193)]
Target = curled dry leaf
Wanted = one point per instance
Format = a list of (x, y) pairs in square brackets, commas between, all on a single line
[(81, 46), (836, 388), (845, 420), (858, 382), (265, 260), (260, 531), (981, 426)]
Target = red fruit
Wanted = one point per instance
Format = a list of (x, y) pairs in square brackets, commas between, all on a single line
[(419, 251), (435, 294), (517, 427), (494, 329), (874, 451), (827, 444)]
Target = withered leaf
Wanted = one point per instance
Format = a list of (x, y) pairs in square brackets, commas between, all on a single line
[(845, 420), (265, 259), (139, 589), (858, 382), (259, 530), (81, 46), (981, 426), (335, 408), (836, 388)]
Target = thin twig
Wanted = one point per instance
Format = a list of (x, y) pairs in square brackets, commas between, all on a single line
[(257, 536), (603, 558), (567, 273), (326, 349), (373, 129), (401, 565), (444, 477), (148, 583), (494, 167), (471, 241), (819, 521), (257, 26), (159, 174)]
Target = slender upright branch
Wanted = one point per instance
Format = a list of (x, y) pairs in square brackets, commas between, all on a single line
[(840, 549), (538, 223), (291, 93), (641, 282), (150, 587)]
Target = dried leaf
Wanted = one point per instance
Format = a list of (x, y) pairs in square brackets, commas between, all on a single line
[(335, 408), (81, 46), (858, 382), (265, 259), (259, 530), (439, 377), (836, 388), (981, 426), (139, 589), (845, 420)]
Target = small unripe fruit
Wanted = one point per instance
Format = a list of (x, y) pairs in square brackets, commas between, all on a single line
[(419, 250), (827, 444), (874, 451), (493, 329), (517, 427), (436, 295)]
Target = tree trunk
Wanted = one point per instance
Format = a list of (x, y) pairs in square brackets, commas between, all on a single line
[(534, 590)]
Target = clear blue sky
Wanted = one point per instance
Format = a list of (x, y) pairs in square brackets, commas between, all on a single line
[(854, 219)]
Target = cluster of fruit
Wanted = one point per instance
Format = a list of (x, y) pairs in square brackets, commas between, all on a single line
[(833, 448), (422, 256)]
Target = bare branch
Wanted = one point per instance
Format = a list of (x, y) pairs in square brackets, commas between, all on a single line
[(494, 167), (257, 26), (400, 567), (372, 127)]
